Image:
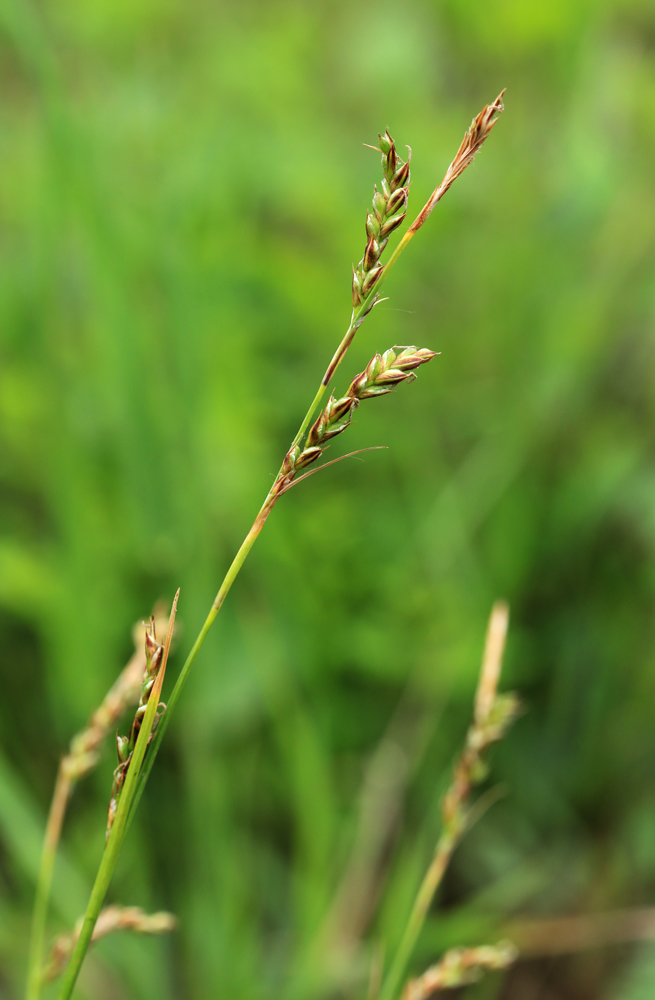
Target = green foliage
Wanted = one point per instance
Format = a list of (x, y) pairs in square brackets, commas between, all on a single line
[(172, 284)]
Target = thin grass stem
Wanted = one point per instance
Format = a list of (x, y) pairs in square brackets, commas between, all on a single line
[(242, 554)]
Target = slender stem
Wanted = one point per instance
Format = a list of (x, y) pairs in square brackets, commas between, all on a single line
[(397, 252), (308, 416), (357, 318), (425, 895), (60, 797), (229, 579)]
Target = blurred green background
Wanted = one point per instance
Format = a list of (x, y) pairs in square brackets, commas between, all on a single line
[(183, 188)]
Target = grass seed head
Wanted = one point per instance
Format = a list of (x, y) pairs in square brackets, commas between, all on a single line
[(458, 967), (382, 374), (385, 371), (154, 658), (85, 746), (389, 205), (111, 919)]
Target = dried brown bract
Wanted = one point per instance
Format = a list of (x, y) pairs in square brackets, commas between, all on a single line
[(458, 967), (112, 918), (480, 128), (156, 656)]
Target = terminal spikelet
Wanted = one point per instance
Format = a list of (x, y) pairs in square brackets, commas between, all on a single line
[(480, 128)]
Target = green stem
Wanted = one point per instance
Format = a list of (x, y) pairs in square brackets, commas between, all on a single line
[(229, 579), (308, 416), (359, 315)]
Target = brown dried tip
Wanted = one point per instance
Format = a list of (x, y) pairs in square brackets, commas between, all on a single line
[(112, 918), (492, 661), (478, 132), (480, 128), (458, 967)]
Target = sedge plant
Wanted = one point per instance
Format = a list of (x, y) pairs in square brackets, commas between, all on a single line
[(137, 750)]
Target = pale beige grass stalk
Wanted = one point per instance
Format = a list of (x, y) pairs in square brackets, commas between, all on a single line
[(458, 967), (492, 715), (111, 919)]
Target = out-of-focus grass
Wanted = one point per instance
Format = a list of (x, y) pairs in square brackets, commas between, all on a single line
[(182, 191)]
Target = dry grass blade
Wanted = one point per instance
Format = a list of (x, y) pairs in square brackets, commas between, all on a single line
[(481, 127), (492, 661), (458, 967), (565, 935), (112, 918), (493, 713)]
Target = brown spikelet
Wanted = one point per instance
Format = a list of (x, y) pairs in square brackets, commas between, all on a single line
[(388, 212), (112, 918), (458, 967), (382, 373), (476, 135), (84, 748), (480, 128)]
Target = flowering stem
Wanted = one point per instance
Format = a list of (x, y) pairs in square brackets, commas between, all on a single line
[(224, 589), (139, 769)]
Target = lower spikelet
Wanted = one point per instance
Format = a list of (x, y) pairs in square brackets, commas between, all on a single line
[(381, 375)]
